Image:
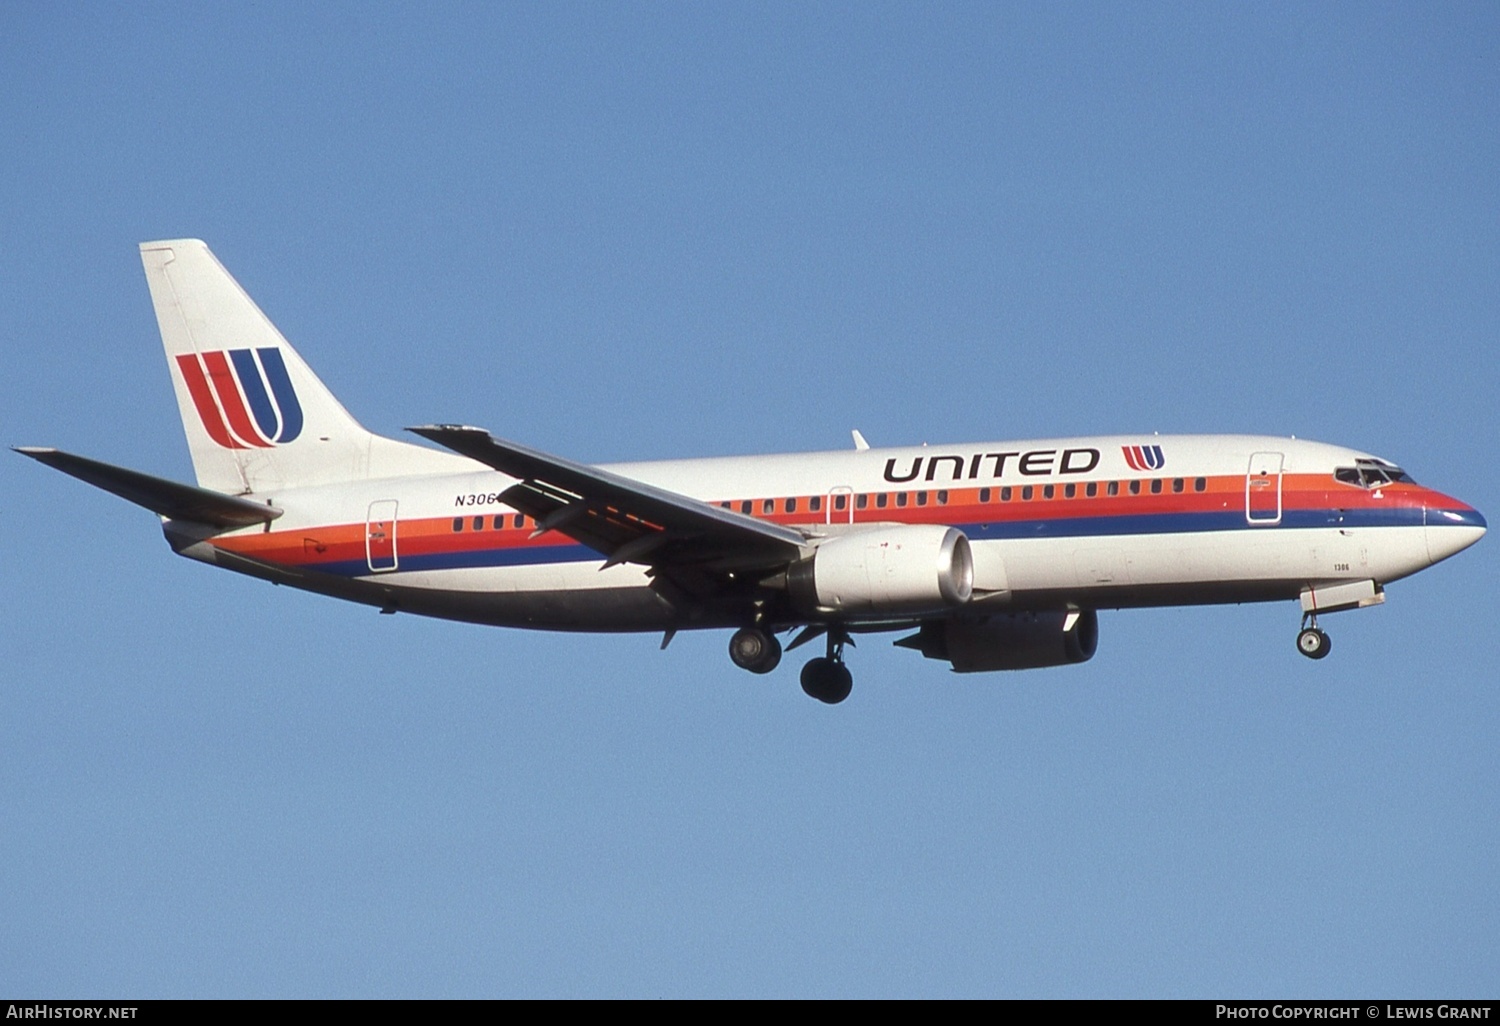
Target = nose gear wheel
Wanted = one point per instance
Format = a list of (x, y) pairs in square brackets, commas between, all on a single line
[(1311, 641)]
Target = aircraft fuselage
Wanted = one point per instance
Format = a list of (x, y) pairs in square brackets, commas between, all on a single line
[(1053, 524)]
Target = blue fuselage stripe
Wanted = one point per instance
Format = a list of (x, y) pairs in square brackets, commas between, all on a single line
[(1190, 523), (1058, 527), (471, 558)]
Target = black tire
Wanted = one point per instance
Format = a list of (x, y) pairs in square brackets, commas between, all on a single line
[(754, 650), (1313, 643), (827, 681), (841, 682)]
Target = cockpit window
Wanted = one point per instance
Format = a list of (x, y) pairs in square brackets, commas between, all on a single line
[(1372, 474)]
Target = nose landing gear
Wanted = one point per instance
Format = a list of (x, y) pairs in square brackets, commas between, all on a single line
[(1311, 641)]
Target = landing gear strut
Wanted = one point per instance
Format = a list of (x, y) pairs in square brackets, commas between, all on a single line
[(1311, 641), (827, 678), (755, 650)]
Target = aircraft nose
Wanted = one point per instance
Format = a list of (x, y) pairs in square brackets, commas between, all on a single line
[(1451, 527)]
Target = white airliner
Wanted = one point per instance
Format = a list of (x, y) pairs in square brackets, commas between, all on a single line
[(993, 556)]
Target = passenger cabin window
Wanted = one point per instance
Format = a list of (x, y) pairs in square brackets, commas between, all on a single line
[(881, 500), (816, 503), (1005, 494), (1156, 486), (745, 507), (900, 498), (1091, 489), (768, 506), (840, 502), (942, 497), (1048, 491), (1114, 488), (1026, 493), (1135, 488), (1200, 484), (862, 501), (1069, 490), (458, 523), (520, 520), (479, 523), (791, 505), (984, 495), (1176, 484)]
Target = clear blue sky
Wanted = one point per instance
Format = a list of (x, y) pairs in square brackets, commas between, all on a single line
[(628, 231)]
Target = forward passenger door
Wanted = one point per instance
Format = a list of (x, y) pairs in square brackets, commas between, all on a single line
[(1263, 489)]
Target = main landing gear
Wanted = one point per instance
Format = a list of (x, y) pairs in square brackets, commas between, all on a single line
[(1311, 641), (826, 678), (755, 650)]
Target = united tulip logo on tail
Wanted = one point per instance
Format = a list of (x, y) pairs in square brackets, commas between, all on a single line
[(244, 396), (1144, 457)]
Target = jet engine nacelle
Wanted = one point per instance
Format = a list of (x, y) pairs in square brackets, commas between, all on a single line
[(1009, 641), (900, 570)]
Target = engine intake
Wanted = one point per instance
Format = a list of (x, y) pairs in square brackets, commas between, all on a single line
[(1009, 641), (909, 569)]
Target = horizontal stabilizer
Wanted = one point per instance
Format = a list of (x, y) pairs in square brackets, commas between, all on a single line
[(162, 497)]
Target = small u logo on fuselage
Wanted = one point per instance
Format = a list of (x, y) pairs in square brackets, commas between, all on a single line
[(243, 396), (1143, 457)]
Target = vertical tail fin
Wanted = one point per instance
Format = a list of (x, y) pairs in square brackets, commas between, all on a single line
[(257, 418)]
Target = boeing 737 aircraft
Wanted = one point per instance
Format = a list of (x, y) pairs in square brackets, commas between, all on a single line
[(989, 557)]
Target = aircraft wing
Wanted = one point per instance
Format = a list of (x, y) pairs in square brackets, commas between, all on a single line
[(627, 521)]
